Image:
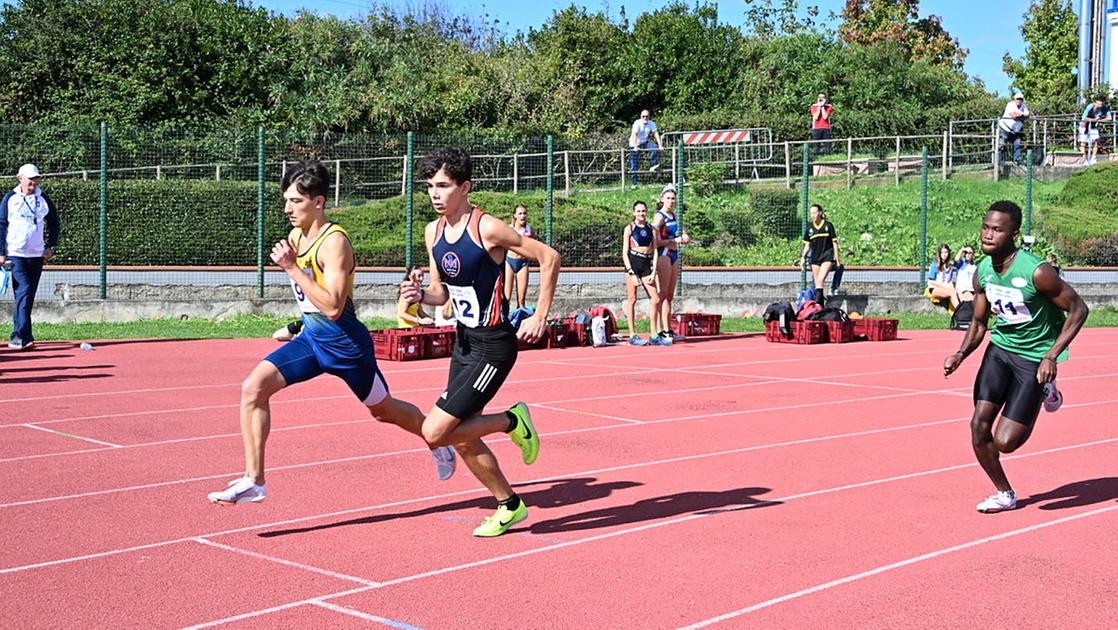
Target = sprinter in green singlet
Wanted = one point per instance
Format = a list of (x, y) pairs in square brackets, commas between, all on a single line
[(1038, 316)]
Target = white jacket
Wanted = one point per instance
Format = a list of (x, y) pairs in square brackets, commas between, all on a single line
[(28, 223)]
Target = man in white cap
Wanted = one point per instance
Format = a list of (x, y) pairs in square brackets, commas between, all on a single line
[(1012, 124), (29, 230)]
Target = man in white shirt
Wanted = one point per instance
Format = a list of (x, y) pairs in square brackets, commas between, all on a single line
[(1012, 124), (644, 136), (29, 230), (964, 277)]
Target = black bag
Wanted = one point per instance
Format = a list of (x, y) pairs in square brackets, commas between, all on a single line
[(831, 314), (781, 312), (964, 315)]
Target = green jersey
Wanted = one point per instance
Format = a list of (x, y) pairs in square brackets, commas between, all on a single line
[(1028, 322)]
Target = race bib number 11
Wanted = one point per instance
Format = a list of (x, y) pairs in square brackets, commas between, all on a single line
[(1008, 304)]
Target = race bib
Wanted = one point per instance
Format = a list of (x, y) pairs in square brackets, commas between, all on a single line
[(466, 307), (305, 305), (1008, 304)]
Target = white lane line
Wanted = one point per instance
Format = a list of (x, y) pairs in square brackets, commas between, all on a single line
[(199, 438), (266, 611), (629, 394), (896, 565), (360, 615), (373, 508), (588, 413), (289, 563), (71, 435)]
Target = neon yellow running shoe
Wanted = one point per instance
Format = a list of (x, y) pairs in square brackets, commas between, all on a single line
[(524, 435), (501, 521)]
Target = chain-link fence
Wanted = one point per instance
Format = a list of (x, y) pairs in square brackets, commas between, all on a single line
[(173, 205)]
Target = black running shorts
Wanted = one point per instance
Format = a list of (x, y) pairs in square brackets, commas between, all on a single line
[(482, 359), (1009, 379), (641, 265)]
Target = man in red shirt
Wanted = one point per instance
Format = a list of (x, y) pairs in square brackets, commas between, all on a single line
[(821, 113)]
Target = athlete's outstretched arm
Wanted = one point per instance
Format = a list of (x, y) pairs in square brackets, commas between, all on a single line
[(335, 256), (1050, 284), (495, 233), (974, 335)]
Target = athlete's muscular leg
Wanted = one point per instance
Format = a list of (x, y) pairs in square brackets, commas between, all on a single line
[(522, 286), (631, 302), (483, 464), (986, 447), (256, 415), (653, 304), (667, 293), (663, 274), (442, 429), (820, 271), (400, 413)]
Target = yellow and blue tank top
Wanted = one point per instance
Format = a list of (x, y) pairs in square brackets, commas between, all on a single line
[(314, 321)]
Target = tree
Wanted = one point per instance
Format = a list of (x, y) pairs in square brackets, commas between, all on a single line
[(899, 21), (1046, 74)]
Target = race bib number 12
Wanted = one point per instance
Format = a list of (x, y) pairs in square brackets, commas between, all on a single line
[(466, 307)]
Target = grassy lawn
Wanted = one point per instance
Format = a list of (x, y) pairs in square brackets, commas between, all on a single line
[(253, 326)]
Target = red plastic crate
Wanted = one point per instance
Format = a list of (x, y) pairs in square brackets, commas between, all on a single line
[(440, 341), (802, 333), (581, 332), (839, 332), (560, 335), (876, 328), (400, 344), (695, 324)]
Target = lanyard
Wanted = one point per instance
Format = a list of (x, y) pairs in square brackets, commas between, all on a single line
[(34, 212)]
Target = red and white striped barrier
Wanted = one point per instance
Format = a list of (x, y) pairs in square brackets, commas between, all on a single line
[(730, 136)]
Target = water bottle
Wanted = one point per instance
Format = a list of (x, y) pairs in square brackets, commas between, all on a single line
[(85, 346)]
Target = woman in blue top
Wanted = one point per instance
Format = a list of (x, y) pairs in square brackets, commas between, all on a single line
[(516, 266), (670, 237), (941, 278)]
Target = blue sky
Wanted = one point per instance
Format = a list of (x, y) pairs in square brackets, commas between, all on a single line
[(988, 29)]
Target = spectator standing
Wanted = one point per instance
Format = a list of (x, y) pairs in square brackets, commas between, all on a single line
[(821, 113), (1089, 130), (29, 230), (1012, 124), (644, 136)]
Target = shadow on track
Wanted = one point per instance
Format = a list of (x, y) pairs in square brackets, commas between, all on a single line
[(1077, 494), (559, 493), (704, 503)]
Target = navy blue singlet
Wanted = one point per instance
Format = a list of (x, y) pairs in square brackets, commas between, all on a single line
[(475, 282)]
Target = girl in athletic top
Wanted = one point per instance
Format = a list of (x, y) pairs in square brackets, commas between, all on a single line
[(819, 249), (410, 315), (516, 266), (638, 253), (670, 237)]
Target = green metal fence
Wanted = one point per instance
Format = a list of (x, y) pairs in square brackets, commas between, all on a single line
[(183, 200)]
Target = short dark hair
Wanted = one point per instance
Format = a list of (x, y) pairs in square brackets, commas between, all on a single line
[(638, 202), (1008, 207), (310, 178), (454, 161)]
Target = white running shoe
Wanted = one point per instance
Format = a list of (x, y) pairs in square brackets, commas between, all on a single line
[(999, 502), (240, 491), (444, 462), (1053, 399)]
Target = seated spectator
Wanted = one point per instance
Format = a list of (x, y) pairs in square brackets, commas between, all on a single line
[(1011, 126), (964, 274), (408, 314), (941, 279), (1055, 262), (644, 137)]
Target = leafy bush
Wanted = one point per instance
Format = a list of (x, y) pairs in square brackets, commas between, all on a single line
[(1100, 251), (164, 222), (706, 178), (775, 210)]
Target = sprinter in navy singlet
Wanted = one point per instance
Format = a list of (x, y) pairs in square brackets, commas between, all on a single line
[(667, 267), (467, 249)]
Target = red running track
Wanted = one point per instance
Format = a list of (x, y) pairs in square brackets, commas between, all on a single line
[(724, 482)]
